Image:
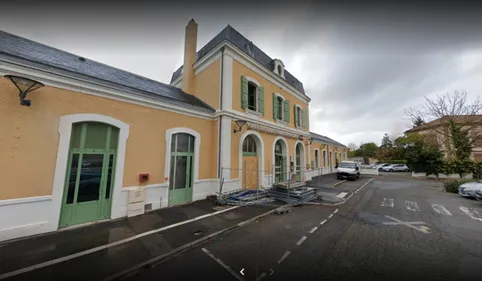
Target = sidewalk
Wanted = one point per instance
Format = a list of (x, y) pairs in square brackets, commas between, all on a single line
[(100, 250)]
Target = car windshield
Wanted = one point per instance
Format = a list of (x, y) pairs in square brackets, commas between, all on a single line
[(347, 165)]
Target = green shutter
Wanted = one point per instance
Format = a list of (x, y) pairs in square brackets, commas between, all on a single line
[(302, 121), (261, 99), (275, 107), (305, 118), (244, 92), (296, 115), (286, 105)]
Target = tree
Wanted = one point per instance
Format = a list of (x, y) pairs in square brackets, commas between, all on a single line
[(386, 142), (457, 118), (368, 150), (352, 146), (423, 155), (417, 121)]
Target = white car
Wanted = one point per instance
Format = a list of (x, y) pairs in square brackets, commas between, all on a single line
[(395, 168), (381, 165), (470, 189)]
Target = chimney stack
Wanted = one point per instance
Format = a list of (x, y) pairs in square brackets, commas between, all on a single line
[(190, 44)]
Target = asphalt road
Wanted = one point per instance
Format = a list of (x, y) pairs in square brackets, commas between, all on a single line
[(395, 228)]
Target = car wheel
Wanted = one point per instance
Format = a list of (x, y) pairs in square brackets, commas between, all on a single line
[(380, 170), (391, 170), (406, 170)]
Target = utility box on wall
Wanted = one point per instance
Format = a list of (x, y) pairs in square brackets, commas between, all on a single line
[(135, 203)]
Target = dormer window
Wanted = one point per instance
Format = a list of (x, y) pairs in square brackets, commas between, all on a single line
[(279, 68)]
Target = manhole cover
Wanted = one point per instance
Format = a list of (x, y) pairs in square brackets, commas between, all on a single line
[(197, 233)]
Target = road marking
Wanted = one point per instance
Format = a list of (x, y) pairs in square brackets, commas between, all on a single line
[(440, 209), (330, 216), (399, 222), (261, 276), (410, 222), (272, 271), (302, 239), (338, 183), (336, 211), (313, 229), (388, 202), (284, 256), (323, 222), (106, 246), (341, 195), (412, 206), (223, 264), (471, 213)]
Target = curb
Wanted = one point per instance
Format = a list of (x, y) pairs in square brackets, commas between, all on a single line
[(129, 272), (338, 183)]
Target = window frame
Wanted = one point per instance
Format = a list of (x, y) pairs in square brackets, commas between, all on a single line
[(256, 96), (299, 116), (280, 119), (317, 158)]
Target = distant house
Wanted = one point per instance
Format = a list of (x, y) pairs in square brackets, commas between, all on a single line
[(438, 131)]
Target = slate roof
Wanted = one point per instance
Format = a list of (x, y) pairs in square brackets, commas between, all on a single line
[(325, 139), (233, 36), (53, 60)]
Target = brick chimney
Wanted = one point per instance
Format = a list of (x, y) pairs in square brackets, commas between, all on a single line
[(190, 44)]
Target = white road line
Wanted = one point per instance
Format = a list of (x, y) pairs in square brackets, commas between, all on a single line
[(440, 209), (387, 202), (313, 229), (409, 224), (341, 195), (106, 246), (471, 213), (330, 216), (302, 239), (223, 265), (336, 211), (261, 276), (284, 256), (323, 222), (412, 206)]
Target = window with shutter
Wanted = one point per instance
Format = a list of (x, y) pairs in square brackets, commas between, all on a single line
[(261, 100), (296, 115), (252, 96), (275, 106), (302, 117), (244, 92), (287, 111), (306, 116)]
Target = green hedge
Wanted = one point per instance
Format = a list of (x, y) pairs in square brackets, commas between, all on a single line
[(453, 185)]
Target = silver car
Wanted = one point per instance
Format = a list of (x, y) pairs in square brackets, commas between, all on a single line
[(469, 189), (478, 194), (395, 168)]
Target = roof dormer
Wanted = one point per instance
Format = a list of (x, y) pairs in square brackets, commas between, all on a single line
[(279, 67)]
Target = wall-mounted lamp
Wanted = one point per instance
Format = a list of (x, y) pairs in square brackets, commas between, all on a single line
[(310, 140), (240, 124), (24, 86), (300, 137)]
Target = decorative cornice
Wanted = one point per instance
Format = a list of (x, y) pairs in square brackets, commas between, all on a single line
[(265, 129)]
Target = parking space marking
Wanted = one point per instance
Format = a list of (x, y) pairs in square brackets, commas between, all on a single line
[(261, 276), (342, 194), (313, 229), (220, 262), (473, 214), (412, 206), (284, 256), (302, 239), (440, 209), (330, 216), (388, 202), (335, 211), (323, 222)]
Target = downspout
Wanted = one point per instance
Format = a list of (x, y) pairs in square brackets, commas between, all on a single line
[(220, 116)]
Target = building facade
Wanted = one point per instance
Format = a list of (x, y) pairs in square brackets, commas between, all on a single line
[(91, 135)]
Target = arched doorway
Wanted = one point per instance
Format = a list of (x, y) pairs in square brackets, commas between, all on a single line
[(299, 161), (280, 167), (181, 168), (250, 163), (88, 188)]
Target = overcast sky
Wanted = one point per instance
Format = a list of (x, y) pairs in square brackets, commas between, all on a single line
[(360, 65)]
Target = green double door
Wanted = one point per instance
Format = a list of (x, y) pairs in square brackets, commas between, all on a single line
[(90, 174), (181, 169), (279, 163)]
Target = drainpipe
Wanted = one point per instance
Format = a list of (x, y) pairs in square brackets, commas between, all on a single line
[(220, 117)]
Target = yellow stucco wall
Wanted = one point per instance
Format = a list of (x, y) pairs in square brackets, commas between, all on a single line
[(29, 138), (269, 88), (207, 84)]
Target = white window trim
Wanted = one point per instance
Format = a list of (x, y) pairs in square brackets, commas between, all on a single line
[(254, 81), (197, 146), (278, 62), (286, 154), (300, 125), (318, 164), (65, 132), (324, 159), (302, 156)]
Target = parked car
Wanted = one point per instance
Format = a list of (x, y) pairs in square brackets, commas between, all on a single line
[(395, 168), (348, 170), (470, 189), (381, 165)]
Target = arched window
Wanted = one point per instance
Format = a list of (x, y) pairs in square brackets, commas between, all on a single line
[(280, 70), (324, 158), (249, 146), (316, 159), (252, 96)]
